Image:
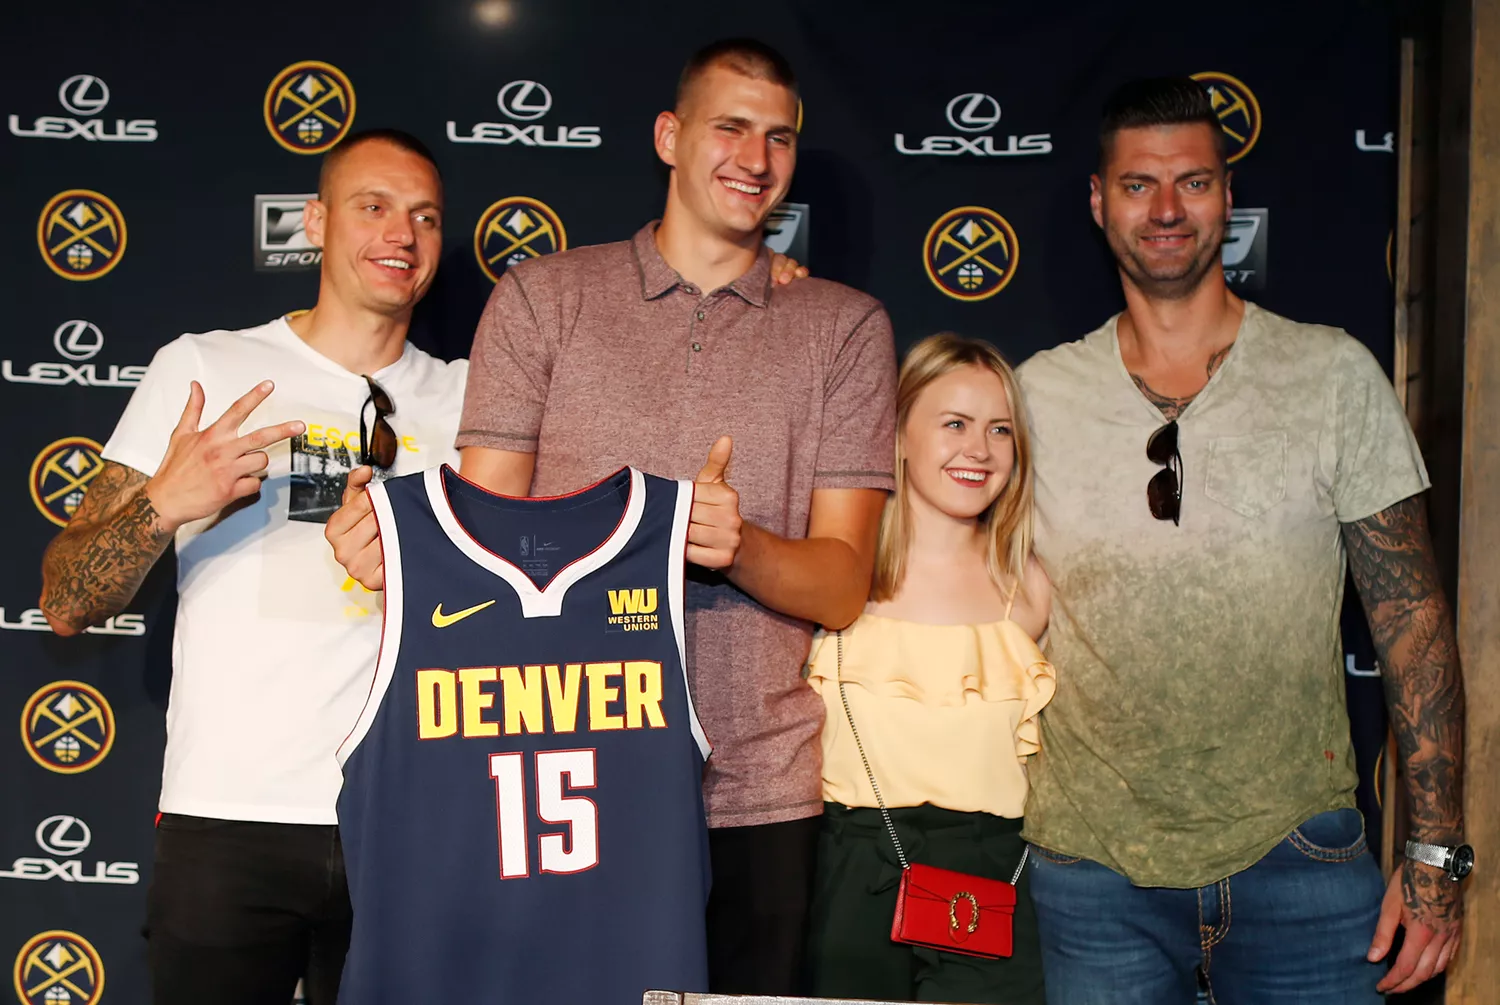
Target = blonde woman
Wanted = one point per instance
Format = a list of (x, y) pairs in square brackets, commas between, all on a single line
[(944, 680)]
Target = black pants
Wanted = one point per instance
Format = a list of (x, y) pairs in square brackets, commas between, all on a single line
[(850, 953), (757, 911), (239, 911)]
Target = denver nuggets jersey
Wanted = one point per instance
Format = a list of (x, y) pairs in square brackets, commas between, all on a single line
[(522, 815)]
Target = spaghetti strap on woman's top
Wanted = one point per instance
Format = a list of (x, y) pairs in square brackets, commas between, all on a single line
[(1010, 601)]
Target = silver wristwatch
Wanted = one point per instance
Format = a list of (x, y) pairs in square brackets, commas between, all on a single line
[(1457, 862)]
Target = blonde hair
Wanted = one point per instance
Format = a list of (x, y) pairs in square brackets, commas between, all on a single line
[(1008, 520)]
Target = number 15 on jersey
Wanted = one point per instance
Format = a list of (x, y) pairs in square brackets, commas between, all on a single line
[(574, 851)]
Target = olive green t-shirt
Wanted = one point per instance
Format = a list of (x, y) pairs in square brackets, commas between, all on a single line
[(1199, 714)]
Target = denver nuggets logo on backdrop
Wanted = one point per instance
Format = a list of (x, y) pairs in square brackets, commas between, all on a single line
[(81, 234), (1238, 111), (59, 968), (60, 476), (309, 107), (971, 253), (67, 727), (514, 229)]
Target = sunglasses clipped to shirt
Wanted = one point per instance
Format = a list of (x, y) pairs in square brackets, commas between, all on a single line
[(1164, 490), (377, 444)]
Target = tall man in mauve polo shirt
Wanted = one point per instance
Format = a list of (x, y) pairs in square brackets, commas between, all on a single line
[(674, 347)]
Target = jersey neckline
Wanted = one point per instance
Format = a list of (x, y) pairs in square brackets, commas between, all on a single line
[(544, 602)]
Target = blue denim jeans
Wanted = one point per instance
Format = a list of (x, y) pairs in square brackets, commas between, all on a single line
[(1292, 928)]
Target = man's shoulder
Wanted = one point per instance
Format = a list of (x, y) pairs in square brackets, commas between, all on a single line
[(430, 370), (196, 346), (1070, 362), (576, 264), (1314, 348), (843, 305)]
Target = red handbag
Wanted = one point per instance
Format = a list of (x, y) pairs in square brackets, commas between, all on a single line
[(938, 908)]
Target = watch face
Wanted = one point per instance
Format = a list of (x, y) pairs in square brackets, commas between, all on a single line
[(1463, 861)]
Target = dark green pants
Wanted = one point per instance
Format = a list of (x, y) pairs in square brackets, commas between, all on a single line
[(850, 952)]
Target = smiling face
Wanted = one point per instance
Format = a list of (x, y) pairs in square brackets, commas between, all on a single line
[(732, 146), (379, 222), (1162, 198), (957, 443)]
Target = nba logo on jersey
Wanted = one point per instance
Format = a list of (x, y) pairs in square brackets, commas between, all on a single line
[(522, 815)]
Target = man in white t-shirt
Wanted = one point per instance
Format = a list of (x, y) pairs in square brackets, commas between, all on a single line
[(273, 641)]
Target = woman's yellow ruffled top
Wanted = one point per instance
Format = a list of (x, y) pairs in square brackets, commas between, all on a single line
[(947, 713)]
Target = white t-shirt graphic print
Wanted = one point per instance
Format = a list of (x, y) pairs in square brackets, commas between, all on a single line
[(274, 642)]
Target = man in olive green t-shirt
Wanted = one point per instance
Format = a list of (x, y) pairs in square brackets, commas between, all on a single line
[(1203, 467)]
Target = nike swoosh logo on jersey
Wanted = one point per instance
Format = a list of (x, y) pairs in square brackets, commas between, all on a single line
[(441, 620)]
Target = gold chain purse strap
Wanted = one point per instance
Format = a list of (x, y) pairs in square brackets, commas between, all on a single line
[(885, 813)]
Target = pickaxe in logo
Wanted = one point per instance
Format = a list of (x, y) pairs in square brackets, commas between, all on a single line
[(71, 726), (57, 964), (973, 228), (89, 217), (522, 241), (312, 86), (84, 470), (1226, 103)]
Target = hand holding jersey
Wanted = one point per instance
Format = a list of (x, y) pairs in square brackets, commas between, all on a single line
[(354, 535), (205, 470)]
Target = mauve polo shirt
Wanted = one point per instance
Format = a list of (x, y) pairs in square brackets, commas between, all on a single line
[(604, 356)]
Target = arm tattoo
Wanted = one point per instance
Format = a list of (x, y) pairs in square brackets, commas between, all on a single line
[(94, 567), (1169, 406), (1390, 555)]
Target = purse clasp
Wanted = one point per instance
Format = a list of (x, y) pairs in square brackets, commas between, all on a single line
[(953, 912)]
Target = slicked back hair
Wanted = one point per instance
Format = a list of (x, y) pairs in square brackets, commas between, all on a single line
[(1157, 101), (748, 57), (395, 137)]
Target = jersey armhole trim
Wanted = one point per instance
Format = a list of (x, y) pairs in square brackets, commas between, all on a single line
[(390, 626), (676, 576)]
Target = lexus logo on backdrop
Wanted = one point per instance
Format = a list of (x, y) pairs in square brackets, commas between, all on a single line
[(78, 340), (75, 341), (61, 838), (974, 113), (526, 101), (63, 835), (83, 94)]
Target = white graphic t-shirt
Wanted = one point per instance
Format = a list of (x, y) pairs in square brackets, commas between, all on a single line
[(274, 642)]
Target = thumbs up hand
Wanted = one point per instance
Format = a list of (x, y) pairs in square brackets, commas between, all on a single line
[(714, 527)]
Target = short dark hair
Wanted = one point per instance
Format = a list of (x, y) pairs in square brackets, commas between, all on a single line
[(1158, 101), (748, 57), (398, 138)]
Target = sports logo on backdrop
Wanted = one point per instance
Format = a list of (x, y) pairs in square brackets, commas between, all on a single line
[(514, 229), (84, 95), (281, 245), (525, 101), (971, 253), (33, 620), (974, 114), (1238, 111), (60, 476), (59, 968), (81, 234), (786, 230), (1244, 252), (76, 341), (62, 837), (67, 727), (309, 107)]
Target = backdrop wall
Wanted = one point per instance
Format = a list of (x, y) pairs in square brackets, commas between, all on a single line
[(154, 163)]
